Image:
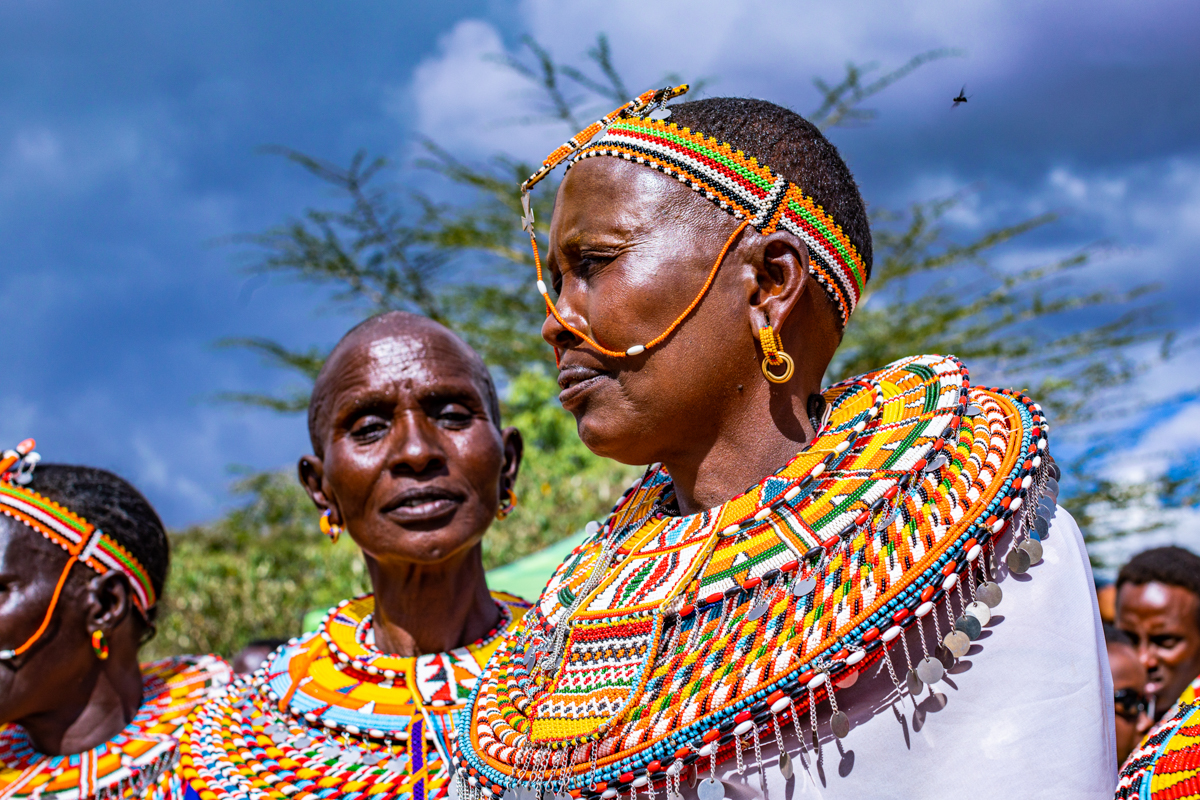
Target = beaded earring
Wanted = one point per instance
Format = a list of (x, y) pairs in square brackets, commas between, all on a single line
[(773, 356), (329, 528), (507, 507), (100, 645)]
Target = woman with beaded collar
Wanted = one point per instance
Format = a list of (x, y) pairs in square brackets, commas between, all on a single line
[(409, 460), (83, 558), (711, 638)]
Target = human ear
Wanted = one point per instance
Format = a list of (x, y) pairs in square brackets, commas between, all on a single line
[(108, 602), (514, 448), (780, 271), (312, 477)]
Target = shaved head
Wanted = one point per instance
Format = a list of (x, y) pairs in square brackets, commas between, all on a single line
[(375, 332)]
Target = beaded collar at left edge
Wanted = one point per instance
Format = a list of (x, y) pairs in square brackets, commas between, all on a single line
[(64, 527), (869, 640)]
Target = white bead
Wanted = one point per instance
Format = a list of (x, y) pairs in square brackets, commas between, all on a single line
[(817, 681), (841, 447), (541, 287), (891, 633), (974, 552), (1015, 504), (791, 493), (743, 728), (780, 704), (1041, 444), (1037, 461), (1026, 481), (729, 530), (704, 753), (763, 513), (608, 794), (950, 581), (817, 470), (636, 350), (855, 657), (640, 782), (924, 608), (861, 426), (997, 526)]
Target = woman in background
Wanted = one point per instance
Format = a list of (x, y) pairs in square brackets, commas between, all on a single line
[(410, 460), (83, 558)]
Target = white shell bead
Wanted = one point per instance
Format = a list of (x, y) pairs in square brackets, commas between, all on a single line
[(997, 525), (740, 730), (1026, 481), (541, 287), (950, 582), (636, 350), (855, 657), (924, 608), (974, 552), (791, 493), (841, 447), (780, 704), (891, 633), (1015, 504), (817, 470), (816, 681), (861, 426), (763, 513)]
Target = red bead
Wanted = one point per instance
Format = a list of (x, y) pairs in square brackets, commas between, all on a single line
[(892, 492), (871, 635), (990, 521), (654, 766), (805, 678), (949, 568), (939, 444), (1006, 502), (715, 597), (843, 654), (751, 583), (711, 735), (967, 545), (927, 593), (601, 786), (742, 717), (1028, 465), (955, 420), (862, 519), (1036, 432), (899, 615), (920, 465), (687, 610), (789, 566), (830, 542), (626, 777), (777, 695), (683, 752)]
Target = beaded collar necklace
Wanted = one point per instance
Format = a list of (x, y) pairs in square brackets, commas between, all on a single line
[(137, 762), (83, 541), (328, 714), (666, 642)]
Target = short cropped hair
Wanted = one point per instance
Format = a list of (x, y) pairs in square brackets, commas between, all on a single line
[(1171, 565), (110, 503), (791, 146), (1114, 635)]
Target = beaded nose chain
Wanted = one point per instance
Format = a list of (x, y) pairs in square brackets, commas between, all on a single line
[(84, 542)]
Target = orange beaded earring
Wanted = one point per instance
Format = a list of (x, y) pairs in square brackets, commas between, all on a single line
[(507, 507), (329, 528), (773, 356), (100, 645)]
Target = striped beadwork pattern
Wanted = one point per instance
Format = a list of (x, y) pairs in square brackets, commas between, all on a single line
[(905, 489), (1166, 765), (738, 184), (328, 715), (137, 762), (77, 536)]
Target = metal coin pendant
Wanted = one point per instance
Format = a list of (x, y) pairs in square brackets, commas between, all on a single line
[(694, 778), (958, 643), (989, 593), (969, 625), (1018, 561), (980, 611), (455, 794), (711, 789), (674, 795), (937, 463), (660, 113), (1042, 526), (371, 759), (1046, 508), (1034, 548), (930, 670), (757, 611), (399, 765), (913, 681), (1051, 488), (561, 796), (804, 586), (839, 723), (974, 410), (785, 766), (1055, 472)]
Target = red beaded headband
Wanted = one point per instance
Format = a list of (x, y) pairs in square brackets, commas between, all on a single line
[(733, 181), (83, 541)]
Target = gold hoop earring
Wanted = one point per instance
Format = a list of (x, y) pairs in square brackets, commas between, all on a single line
[(773, 356), (507, 507), (330, 529)]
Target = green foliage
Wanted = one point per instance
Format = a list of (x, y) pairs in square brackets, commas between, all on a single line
[(253, 573)]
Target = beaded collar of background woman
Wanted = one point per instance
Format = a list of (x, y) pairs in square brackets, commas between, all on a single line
[(666, 640)]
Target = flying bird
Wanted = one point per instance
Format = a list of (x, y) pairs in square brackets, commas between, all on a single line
[(962, 97)]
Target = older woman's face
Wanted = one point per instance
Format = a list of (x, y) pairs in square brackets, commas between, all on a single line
[(629, 250), (36, 681), (413, 463)]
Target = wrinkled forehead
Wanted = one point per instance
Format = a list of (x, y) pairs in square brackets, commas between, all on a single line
[(416, 357)]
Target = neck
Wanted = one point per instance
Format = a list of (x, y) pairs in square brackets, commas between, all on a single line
[(762, 429), (431, 608), (106, 701)]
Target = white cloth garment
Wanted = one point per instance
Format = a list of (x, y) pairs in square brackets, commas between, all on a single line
[(1026, 713)]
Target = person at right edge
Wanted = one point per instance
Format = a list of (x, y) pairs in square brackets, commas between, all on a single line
[(895, 607)]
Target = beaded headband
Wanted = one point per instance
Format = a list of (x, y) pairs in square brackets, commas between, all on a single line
[(83, 541), (733, 181)]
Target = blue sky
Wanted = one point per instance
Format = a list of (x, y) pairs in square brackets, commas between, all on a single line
[(129, 136)]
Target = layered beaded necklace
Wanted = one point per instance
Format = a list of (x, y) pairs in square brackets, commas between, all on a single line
[(668, 643), (329, 715), (1166, 765), (137, 762)]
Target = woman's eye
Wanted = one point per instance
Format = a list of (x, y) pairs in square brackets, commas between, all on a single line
[(368, 428)]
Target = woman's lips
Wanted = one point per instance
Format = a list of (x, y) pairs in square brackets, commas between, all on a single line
[(575, 381), (422, 506)]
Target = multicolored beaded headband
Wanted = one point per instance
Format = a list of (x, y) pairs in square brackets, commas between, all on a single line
[(730, 179), (83, 541)]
